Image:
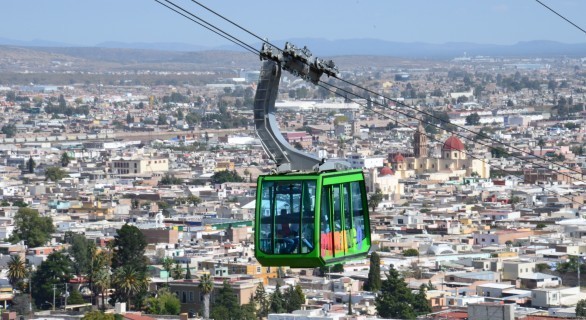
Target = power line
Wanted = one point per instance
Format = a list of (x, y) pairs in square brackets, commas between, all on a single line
[(559, 15), (414, 108), (432, 137), (256, 52), (463, 128), (211, 27)]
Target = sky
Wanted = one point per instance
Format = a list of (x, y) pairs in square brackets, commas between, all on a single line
[(90, 22)]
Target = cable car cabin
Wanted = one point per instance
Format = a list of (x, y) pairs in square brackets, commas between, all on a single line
[(311, 219)]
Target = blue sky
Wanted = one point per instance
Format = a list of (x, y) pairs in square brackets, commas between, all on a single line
[(89, 22)]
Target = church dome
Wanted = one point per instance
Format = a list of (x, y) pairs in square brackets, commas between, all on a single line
[(399, 158), (385, 171), (453, 143)]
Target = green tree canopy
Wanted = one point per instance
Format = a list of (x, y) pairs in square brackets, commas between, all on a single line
[(30, 165), (581, 308), (31, 228), (375, 199), (55, 271), (98, 315), (294, 297), (374, 282), (17, 271), (262, 301), (277, 302), (226, 176), (129, 248), (395, 299), (55, 174), (410, 253), (165, 303), (226, 305), (473, 119), (65, 159), (75, 297), (81, 251), (9, 130)]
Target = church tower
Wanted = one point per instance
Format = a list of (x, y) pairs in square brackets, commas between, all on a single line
[(420, 142)]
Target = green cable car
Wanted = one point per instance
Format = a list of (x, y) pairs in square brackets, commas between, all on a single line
[(312, 212), (311, 219)]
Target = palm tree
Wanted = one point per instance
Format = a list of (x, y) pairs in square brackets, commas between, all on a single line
[(206, 285), (129, 282), (167, 265), (16, 270), (100, 264), (102, 283)]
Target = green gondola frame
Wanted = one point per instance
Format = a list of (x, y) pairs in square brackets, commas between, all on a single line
[(290, 206)]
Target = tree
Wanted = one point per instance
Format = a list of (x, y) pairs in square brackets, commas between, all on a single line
[(375, 199), (395, 298), (54, 174), (165, 303), (338, 267), (581, 308), (226, 303), (261, 300), (129, 282), (473, 119), (206, 286), (16, 272), (75, 297), (81, 250), (19, 203), (169, 179), (374, 282), (277, 303), (101, 280), (420, 303), (30, 165), (540, 225), (98, 315), (65, 159), (31, 228), (294, 297), (53, 272), (187, 272), (499, 152), (162, 120), (167, 265), (226, 176), (9, 130), (410, 252), (129, 249), (177, 271)]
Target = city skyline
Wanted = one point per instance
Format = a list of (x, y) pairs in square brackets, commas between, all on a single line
[(90, 23)]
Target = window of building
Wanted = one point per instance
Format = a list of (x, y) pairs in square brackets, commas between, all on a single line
[(455, 154)]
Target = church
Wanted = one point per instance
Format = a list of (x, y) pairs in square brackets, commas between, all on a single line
[(453, 164)]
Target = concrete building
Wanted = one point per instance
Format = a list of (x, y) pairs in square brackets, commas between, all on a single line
[(512, 270), (139, 166), (554, 297)]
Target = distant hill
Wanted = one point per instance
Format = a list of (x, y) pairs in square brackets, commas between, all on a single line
[(323, 47)]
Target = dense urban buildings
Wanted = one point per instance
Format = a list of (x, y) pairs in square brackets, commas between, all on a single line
[(474, 166)]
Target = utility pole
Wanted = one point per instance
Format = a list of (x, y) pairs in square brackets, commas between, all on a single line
[(66, 295), (54, 289)]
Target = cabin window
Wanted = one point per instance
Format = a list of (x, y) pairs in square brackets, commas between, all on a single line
[(286, 226)]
